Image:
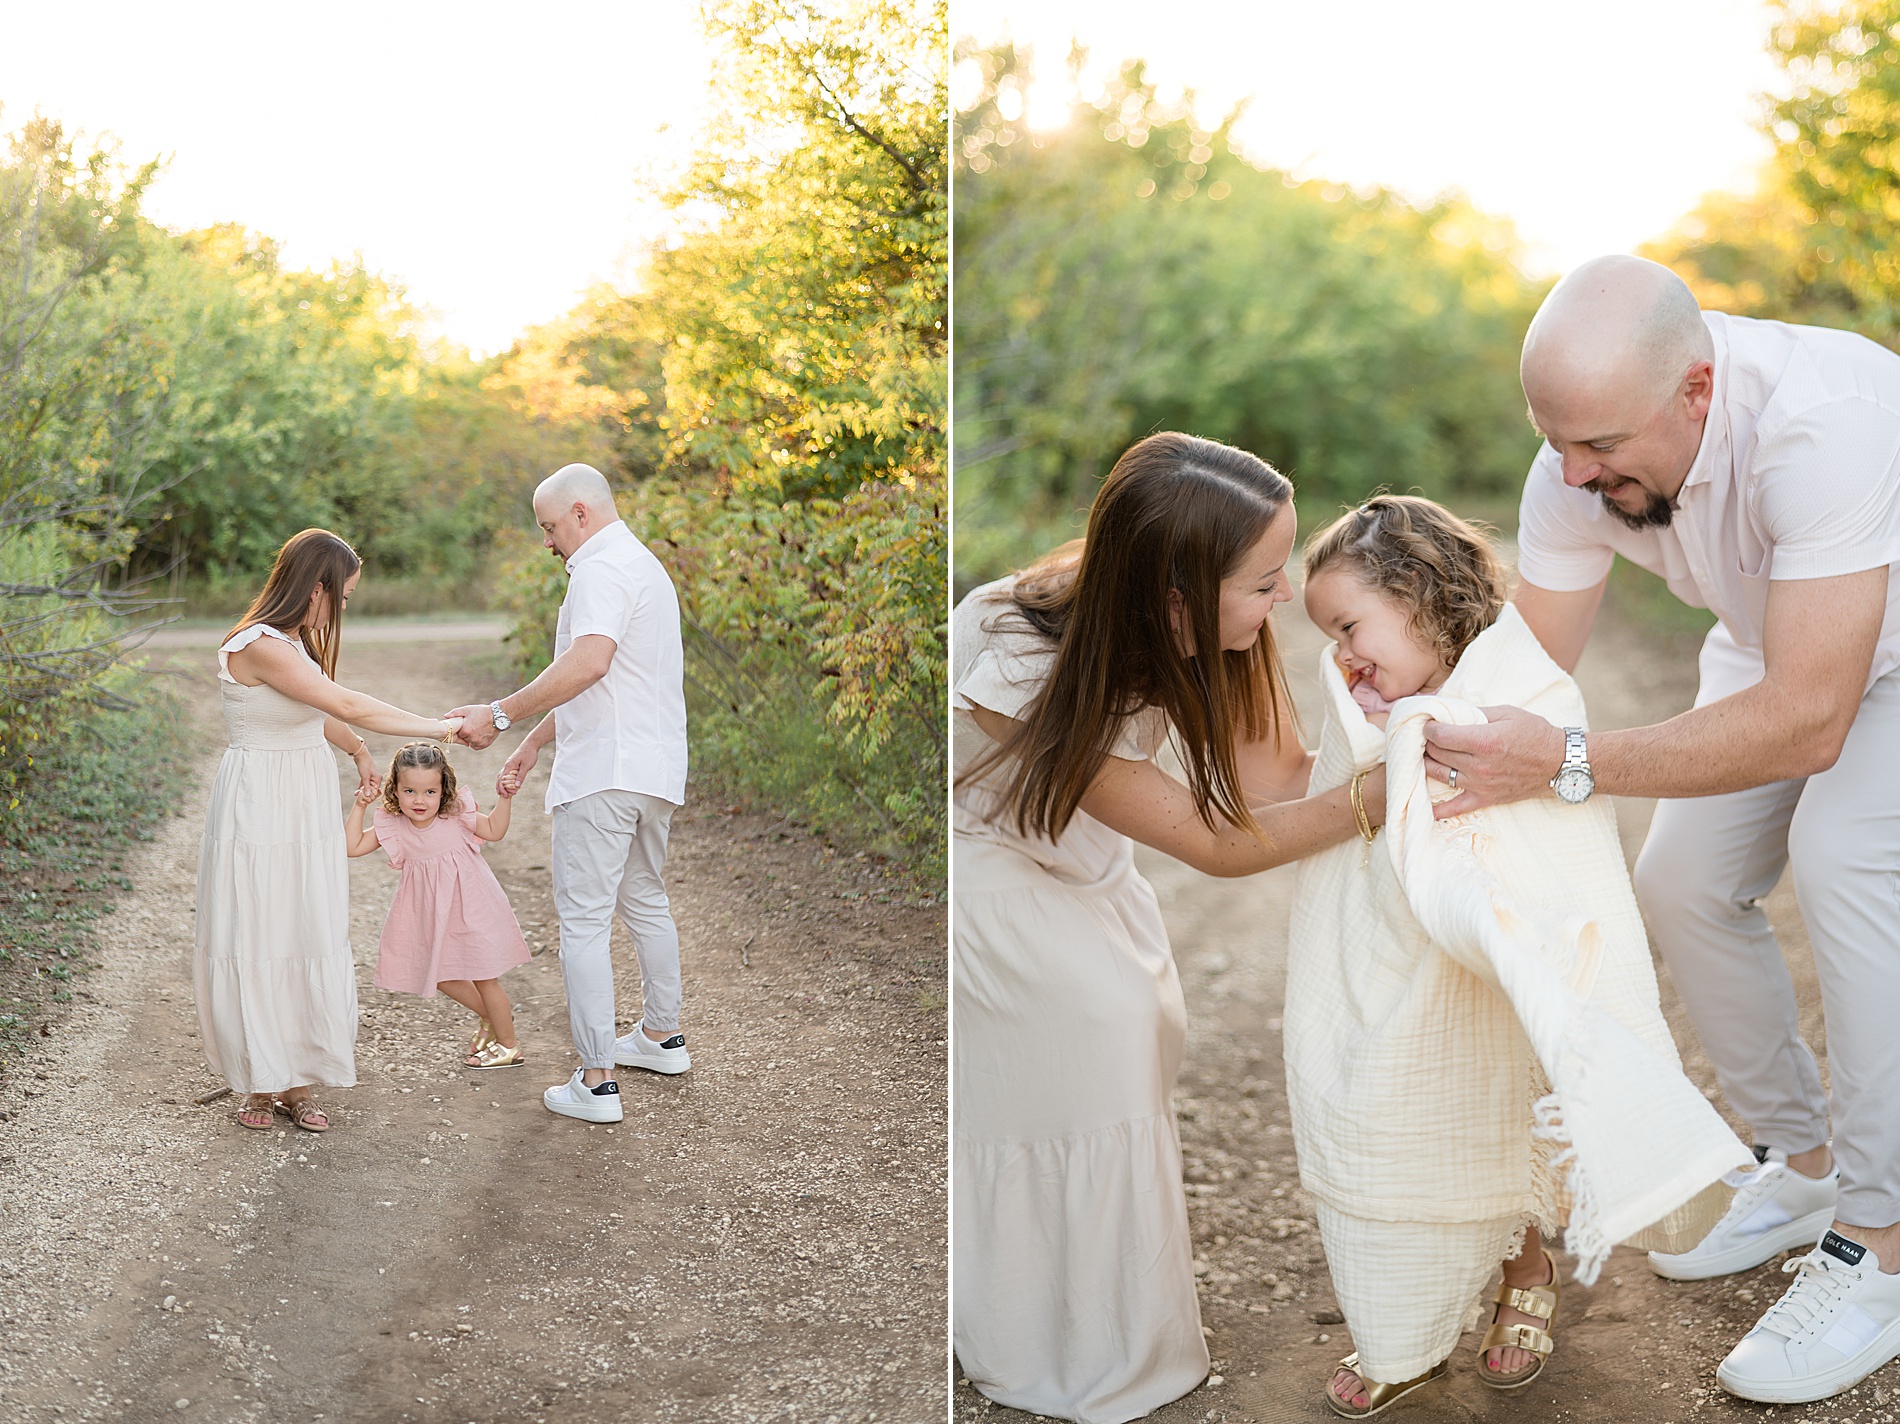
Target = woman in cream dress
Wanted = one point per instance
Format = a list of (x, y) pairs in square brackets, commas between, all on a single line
[(1074, 1281), (273, 974)]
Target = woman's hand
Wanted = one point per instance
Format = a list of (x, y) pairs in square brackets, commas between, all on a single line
[(454, 734), (365, 792), (368, 784)]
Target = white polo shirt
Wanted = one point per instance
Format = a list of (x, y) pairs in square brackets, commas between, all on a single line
[(1798, 477), (628, 731)]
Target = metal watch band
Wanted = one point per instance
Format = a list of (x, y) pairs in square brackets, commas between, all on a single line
[(1574, 750)]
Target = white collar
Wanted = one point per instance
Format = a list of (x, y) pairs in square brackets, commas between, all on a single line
[(1714, 446), (599, 540)]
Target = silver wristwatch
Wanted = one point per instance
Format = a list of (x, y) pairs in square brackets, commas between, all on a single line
[(503, 721), (1573, 781)]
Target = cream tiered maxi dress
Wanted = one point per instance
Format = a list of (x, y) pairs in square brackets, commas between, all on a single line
[(1074, 1275), (275, 982)]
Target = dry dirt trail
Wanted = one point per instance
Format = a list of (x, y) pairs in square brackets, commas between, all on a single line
[(761, 1238), (1635, 1349)]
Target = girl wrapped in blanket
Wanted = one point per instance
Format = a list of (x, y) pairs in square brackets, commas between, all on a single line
[(1476, 1056)]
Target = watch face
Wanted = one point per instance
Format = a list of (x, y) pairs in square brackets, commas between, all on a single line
[(1574, 785)]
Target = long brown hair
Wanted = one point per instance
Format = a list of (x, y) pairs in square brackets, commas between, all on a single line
[(423, 756), (1418, 553), (1177, 514), (309, 560)]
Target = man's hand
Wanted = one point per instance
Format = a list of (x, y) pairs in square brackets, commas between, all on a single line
[(478, 725), (514, 771), (1511, 757)]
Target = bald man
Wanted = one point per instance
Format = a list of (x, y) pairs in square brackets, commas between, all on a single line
[(617, 717), (1755, 467)]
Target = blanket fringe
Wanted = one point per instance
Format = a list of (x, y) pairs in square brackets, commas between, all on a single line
[(1583, 1237)]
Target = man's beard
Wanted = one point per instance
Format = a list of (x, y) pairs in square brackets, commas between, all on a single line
[(1655, 514)]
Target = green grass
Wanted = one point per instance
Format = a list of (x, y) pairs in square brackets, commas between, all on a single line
[(105, 786)]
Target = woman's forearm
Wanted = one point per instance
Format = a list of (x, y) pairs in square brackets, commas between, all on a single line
[(1145, 804), (343, 737), (366, 711)]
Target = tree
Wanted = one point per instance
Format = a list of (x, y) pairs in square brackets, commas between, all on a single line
[(84, 401), (1133, 271), (1814, 242)]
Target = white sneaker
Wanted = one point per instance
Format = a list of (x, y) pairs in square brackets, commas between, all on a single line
[(1837, 1324), (636, 1050), (1775, 1209), (575, 1099)]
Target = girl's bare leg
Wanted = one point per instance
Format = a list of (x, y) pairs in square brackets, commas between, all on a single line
[(497, 1010), (1525, 1270), (464, 993)]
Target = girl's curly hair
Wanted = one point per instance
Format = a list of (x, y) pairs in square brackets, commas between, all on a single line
[(1418, 552), (420, 756)]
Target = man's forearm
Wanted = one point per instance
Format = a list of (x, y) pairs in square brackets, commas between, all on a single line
[(1756, 736), (564, 679)]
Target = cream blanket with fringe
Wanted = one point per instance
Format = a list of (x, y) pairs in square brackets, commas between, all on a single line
[(1472, 1027)]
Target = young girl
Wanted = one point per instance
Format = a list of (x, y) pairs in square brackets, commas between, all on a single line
[(1470, 997), (450, 926)]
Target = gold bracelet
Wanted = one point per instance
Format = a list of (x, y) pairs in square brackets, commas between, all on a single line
[(1366, 829)]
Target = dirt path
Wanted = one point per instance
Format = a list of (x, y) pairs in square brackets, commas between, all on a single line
[(762, 1238), (1634, 1350)]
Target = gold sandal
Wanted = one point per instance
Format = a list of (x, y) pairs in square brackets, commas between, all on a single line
[(1378, 1396), (477, 1045), (1538, 1301), (498, 1055)]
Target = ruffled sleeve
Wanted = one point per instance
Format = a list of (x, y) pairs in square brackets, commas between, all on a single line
[(465, 813), (1007, 675), (240, 641), (392, 832), (1009, 672)]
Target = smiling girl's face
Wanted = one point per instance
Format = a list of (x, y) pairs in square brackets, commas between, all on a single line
[(419, 793), (1373, 629)]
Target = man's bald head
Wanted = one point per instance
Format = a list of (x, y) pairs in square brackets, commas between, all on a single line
[(575, 484), (572, 505), (1618, 328)]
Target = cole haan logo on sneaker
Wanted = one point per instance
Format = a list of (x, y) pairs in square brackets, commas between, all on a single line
[(1842, 1249), (612, 1089)]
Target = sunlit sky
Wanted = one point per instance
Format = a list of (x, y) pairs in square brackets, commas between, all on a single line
[(1593, 126), (495, 158)]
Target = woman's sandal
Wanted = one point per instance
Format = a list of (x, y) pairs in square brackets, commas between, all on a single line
[(1538, 1301), (257, 1116), (304, 1113), (484, 1036), (1378, 1396), (498, 1055)]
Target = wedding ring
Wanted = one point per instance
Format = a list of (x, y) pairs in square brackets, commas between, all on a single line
[(1452, 777)]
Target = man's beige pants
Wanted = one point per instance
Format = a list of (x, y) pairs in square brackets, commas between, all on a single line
[(1704, 871), (609, 852)]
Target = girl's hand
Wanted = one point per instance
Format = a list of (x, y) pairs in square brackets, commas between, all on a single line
[(366, 792)]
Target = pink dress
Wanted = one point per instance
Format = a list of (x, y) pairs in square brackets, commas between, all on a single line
[(451, 918)]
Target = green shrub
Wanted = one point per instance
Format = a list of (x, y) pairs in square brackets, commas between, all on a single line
[(105, 783)]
